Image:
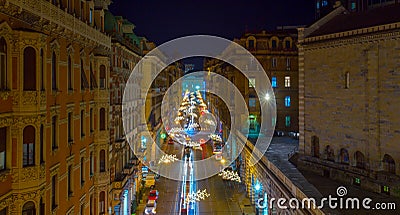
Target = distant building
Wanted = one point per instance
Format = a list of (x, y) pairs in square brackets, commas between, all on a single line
[(189, 67), (349, 80), (323, 7)]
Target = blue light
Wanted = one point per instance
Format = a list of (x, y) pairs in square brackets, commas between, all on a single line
[(257, 187), (197, 87), (274, 82)]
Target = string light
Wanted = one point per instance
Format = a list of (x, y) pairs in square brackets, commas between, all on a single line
[(197, 196), (230, 175)]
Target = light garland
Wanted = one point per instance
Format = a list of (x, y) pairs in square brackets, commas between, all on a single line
[(197, 196), (168, 159), (230, 175)]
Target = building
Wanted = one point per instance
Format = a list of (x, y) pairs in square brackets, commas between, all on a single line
[(276, 51), (126, 53), (54, 97), (349, 79), (323, 7)]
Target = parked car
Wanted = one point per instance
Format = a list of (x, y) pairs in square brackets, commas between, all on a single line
[(151, 207), (153, 195), (150, 180)]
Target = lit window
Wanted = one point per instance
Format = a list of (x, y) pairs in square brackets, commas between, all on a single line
[(274, 83), (324, 3), (353, 6), (287, 101), (287, 121), (91, 16), (252, 82), (287, 81), (318, 5), (252, 102), (274, 62)]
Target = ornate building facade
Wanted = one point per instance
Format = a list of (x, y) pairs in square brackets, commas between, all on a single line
[(349, 81), (126, 53), (54, 136)]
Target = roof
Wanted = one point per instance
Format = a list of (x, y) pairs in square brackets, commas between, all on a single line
[(346, 21)]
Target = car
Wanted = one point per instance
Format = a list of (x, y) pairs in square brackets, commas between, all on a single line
[(153, 195), (171, 141), (151, 207), (218, 157), (150, 180)]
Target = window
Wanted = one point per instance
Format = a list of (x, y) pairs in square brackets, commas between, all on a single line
[(41, 136), (347, 81), (3, 64), (91, 16), (360, 161), (273, 82), (287, 44), (91, 205), (344, 156), (3, 211), (251, 44), (389, 164), (91, 163), (3, 144), (54, 71), (288, 64), (69, 71), (287, 81), (70, 178), (287, 101), (70, 138), (317, 4), (91, 120), (287, 121), (274, 62), (29, 69), (54, 132), (28, 146), (252, 102), (315, 146), (102, 199), (29, 209), (84, 81), (252, 82), (274, 44), (102, 161), (53, 192), (102, 77), (102, 119), (93, 83), (82, 171), (324, 3), (82, 123), (353, 6), (41, 70)]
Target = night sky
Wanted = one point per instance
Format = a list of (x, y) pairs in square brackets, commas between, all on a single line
[(160, 21)]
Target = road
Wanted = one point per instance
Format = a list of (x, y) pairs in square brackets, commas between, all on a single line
[(224, 196)]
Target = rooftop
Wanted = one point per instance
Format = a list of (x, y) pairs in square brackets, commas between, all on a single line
[(350, 21)]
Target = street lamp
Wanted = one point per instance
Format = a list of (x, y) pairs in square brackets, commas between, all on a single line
[(267, 97)]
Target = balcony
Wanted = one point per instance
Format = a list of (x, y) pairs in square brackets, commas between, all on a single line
[(47, 11)]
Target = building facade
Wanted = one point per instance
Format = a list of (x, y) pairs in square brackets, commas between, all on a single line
[(126, 53), (54, 104), (349, 81), (276, 51)]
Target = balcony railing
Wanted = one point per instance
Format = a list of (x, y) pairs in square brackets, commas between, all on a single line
[(48, 11)]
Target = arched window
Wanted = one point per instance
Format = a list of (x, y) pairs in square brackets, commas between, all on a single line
[(102, 202), (388, 164), (102, 161), (41, 136), (102, 119), (315, 146), (29, 208), (103, 79), (344, 156), (274, 44), (329, 153), (29, 146), (54, 71), (360, 161), (69, 73), (29, 69), (3, 64)]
